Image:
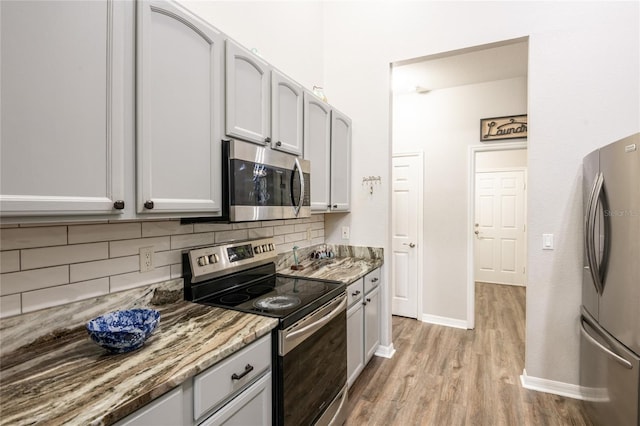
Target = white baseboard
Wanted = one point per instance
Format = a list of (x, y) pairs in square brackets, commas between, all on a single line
[(449, 322), (551, 386), (385, 351)]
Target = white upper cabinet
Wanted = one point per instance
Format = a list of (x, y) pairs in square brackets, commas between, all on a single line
[(64, 104), (317, 149), (179, 111), (248, 103), (340, 161), (286, 114)]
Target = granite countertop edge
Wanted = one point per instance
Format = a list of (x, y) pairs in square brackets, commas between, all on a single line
[(63, 377)]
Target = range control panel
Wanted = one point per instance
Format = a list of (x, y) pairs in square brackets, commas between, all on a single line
[(214, 261)]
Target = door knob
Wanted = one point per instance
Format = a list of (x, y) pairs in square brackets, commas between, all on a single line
[(477, 232), (412, 245)]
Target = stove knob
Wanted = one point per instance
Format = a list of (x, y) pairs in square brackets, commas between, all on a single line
[(212, 258), (272, 246), (265, 248), (201, 261), (257, 249), (216, 258)]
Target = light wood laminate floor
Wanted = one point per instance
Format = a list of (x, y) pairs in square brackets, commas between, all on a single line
[(447, 376)]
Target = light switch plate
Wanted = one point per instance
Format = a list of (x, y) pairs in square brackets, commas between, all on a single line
[(547, 241)]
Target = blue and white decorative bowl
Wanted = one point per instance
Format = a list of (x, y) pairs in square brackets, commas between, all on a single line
[(123, 331)]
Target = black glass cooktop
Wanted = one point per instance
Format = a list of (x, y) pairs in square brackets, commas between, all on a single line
[(276, 296)]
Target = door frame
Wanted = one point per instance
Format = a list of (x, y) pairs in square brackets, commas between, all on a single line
[(471, 208), (420, 231)]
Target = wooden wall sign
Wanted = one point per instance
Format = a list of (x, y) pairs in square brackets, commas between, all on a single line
[(500, 128)]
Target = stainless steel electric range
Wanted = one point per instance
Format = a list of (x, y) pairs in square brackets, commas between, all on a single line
[(310, 342)]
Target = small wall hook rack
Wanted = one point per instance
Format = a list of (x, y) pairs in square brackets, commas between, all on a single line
[(371, 181)]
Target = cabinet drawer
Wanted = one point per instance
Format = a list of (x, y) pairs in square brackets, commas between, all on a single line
[(371, 280), (216, 384), (354, 292)]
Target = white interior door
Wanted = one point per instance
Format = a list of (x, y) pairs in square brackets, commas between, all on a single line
[(500, 227), (406, 232)]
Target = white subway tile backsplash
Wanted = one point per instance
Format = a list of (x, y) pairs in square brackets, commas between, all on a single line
[(227, 236), (50, 265), (302, 227), (261, 233), (292, 238), (60, 295), (19, 238), (104, 268), (10, 305), (285, 229), (165, 258), (191, 240), (211, 227), (104, 232), (248, 225), (9, 261), (137, 279), (63, 255), (169, 227), (132, 247), (18, 282)]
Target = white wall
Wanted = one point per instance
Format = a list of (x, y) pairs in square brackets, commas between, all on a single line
[(443, 124), (583, 93), (287, 34)]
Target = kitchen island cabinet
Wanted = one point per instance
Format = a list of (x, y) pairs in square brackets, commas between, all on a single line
[(67, 74)]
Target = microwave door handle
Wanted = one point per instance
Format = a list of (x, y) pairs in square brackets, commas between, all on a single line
[(296, 206)]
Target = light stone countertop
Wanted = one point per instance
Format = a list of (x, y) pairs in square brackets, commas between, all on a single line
[(349, 264), (62, 377)]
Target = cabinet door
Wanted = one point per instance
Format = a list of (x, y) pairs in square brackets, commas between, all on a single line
[(63, 96), (247, 89), (251, 407), (371, 323), (179, 109), (286, 114), (170, 409), (340, 162), (317, 149), (355, 342)]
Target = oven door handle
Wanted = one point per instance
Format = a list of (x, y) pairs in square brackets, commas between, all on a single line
[(311, 328)]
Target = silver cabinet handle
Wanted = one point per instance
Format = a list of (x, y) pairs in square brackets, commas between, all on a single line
[(412, 245)]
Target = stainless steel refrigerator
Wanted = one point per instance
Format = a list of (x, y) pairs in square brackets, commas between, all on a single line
[(610, 312)]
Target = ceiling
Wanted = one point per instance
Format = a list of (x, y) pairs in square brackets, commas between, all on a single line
[(461, 68)]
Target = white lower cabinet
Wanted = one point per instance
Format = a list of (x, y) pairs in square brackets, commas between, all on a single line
[(171, 408), (251, 408), (363, 323), (235, 391), (355, 334)]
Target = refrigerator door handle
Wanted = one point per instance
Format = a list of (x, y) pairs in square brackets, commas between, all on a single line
[(590, 223), (619, 359)]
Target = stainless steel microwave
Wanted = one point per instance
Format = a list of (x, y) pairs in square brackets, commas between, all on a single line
[(264, 184)]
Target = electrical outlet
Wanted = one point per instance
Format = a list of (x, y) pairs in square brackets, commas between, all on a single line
[(345, 232), (146, 259)]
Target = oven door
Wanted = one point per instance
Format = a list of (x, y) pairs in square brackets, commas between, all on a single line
[(313, 364), (266, 184)]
